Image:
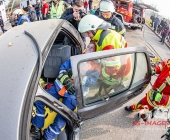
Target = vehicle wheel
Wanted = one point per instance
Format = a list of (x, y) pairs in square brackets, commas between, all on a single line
[(143, 21), (133, 28), (139, 19)]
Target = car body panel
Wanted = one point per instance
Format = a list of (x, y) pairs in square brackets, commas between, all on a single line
[(18, 58), (92, 110), (43, 31)]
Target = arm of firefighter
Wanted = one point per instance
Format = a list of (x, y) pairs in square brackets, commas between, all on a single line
[(160, 67), (91, 78)]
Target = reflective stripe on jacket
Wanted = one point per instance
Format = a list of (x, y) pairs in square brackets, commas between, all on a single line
[(110, 40)]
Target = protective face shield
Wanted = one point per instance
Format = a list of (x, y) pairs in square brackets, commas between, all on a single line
[(91, 23)]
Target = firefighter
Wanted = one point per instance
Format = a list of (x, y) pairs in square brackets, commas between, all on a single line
[(107, 9), (98, 31), (112, 72), (159, 95), (21, 18)]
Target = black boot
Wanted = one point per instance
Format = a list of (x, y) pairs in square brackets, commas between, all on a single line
[(128, 108), (144, 117), (35, 132)]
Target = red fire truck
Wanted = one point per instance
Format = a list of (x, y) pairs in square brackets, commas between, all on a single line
[(130, 13)]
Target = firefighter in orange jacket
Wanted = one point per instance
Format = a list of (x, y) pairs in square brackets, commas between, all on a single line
[(159, 95)]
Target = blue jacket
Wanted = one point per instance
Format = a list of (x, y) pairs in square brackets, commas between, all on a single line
[(22, 18), (90, 77)]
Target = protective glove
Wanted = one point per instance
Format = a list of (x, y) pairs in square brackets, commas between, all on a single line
[(157, 96), (153, 71), (70, 74), (67, 82)]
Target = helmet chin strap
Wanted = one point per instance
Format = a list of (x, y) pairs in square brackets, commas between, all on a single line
[(93, 32)]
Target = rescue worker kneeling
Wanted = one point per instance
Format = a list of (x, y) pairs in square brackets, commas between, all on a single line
[(159, 95), (63, 87), (20, 18)]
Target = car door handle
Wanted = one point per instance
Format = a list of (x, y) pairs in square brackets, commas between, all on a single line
[(138, 92)]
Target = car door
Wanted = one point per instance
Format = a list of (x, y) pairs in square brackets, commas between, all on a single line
[(98, 92)]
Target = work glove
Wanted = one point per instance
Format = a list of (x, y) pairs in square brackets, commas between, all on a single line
[(70, 74), (157, 96), (67, 82), (153, 71)]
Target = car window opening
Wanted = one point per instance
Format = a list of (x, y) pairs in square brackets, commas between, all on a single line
[(61, 51)]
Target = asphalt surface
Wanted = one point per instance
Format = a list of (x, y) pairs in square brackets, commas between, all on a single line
[(119, 124)]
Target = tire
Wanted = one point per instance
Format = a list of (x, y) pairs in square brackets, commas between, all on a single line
[(134, 28), (139, 20), (143, 20)]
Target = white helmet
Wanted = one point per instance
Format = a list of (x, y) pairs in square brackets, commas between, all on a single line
[(18, 12), (92, 22), (106, 6)]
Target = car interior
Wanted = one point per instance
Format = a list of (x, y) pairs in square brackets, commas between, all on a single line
[(62, 49)]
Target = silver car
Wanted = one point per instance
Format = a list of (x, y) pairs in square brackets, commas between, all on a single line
[(33, 50)]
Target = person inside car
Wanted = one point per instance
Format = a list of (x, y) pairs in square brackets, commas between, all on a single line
[(63, 87)]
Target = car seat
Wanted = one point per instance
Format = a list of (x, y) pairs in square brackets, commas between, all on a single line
[(56, 57)]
